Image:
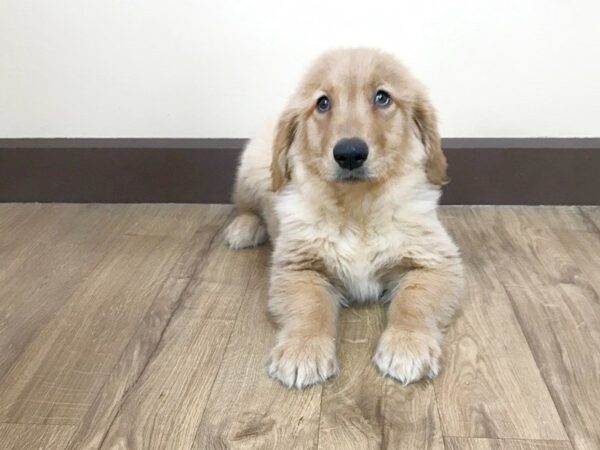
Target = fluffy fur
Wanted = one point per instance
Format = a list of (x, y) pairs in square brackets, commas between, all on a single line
[(338, 242)]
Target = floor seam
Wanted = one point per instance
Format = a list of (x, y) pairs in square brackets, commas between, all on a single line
[(437, 408), (508, 439), (320, 414)]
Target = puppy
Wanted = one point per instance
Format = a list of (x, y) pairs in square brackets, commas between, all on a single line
[(346, 185)]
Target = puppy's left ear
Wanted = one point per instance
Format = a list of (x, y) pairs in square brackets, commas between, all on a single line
[(425, 119)]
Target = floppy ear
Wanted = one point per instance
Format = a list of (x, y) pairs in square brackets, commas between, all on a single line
[(284, 136), (425, 118)]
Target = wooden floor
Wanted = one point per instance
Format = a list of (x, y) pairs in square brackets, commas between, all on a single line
[(134, 326)]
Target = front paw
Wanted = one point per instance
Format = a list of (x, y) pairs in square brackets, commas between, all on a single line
[(408, 355), (299, 363)]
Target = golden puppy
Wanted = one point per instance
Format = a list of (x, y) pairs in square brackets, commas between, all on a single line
[(346, 184)]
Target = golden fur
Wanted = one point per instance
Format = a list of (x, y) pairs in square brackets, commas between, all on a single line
[(341, 242)]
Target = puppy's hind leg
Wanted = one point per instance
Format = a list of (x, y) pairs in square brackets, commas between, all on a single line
[(246, 230), (252, 195)]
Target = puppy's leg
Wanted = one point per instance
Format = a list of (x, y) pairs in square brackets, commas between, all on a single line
[(246, 230), (410, 346), (306, 309), (252, 193)]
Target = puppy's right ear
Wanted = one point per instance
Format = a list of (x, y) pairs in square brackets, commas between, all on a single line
[(284, 136)]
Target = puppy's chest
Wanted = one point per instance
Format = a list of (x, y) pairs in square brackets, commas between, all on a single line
[(362, 255), (358, 259)]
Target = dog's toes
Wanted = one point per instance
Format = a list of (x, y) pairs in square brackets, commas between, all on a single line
[(407, 356), (246, 230), (303, 362)]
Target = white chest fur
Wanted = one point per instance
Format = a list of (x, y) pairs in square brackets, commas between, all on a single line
[(355, 248), (354, 257)]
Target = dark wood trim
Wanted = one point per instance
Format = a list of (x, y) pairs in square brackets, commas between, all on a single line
[(492, 171)]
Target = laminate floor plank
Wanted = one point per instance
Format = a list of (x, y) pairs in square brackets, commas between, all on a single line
[(592, 213), (246, 408), (557, 308), (490, 385), (362, 409), (145, 343), (454, 443), (134, 326), (164, 407), (47, 254), (57, 376), (575, 263), (15, 436)]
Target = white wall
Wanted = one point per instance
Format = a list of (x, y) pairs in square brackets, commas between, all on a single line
[(198, 68)]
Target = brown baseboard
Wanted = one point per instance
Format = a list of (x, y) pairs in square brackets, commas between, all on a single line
[(491, 171)]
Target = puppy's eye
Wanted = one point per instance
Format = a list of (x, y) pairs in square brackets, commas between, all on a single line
[(323, 104), (382, 99)]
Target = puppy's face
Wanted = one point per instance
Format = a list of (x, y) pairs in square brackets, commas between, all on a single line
[(349, 121)]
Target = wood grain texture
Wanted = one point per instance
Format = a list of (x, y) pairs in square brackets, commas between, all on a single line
[(490, 386), (557, 308), (362, 409), (134, 326), (145, 342), (592, 213), (578, 232), (454, 443), (58, 375), (353, 403), (163, 409), (46, 256), (15, 436), (246, 408)]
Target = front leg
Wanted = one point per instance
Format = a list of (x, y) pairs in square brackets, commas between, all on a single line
[(425, 301), (305, 308)]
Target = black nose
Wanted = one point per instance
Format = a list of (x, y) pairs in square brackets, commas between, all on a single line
[(350, 153)]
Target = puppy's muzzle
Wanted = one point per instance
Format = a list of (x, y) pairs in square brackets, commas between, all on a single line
[(350, 153)]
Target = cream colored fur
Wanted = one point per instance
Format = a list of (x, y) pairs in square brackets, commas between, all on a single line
[(341, 243)]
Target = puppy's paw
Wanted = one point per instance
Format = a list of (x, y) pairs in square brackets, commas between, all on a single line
[(303, 362), (408, 355), (246, 230)]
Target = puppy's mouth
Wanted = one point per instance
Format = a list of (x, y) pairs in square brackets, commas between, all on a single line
[(358, 175)]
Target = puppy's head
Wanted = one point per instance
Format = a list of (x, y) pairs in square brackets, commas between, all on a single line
[(350, 122)]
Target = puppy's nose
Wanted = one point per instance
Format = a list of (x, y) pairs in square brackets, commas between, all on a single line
[(350, 153)]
